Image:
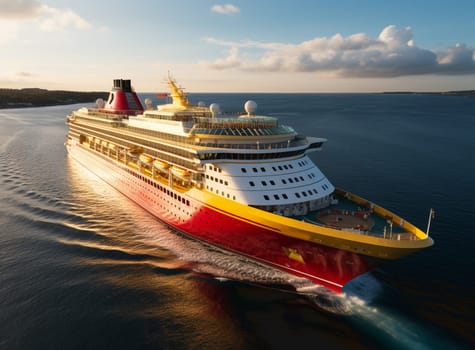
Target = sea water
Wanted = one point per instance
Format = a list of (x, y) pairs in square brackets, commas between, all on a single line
[(83, 267)]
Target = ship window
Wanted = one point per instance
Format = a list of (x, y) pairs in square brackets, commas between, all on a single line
[(301, 178), (315, 191), (286, 167), (284, 182), (297, 195), (264, 183), (243, 170), (280, 168), (263, 170), (251, 183), (272, 182), (276, 196), (304, 194), (290, 166), (266, 197), (254, 170), (226, 183), (285, 196), (291, 181), (309, 192), (220, 181), (274, 168)]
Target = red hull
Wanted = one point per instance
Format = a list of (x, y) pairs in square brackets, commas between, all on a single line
[(326, 266)]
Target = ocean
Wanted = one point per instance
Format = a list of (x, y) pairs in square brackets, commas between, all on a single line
[(83, 267)]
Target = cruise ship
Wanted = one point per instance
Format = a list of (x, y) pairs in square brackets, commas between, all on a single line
[(242, 182)]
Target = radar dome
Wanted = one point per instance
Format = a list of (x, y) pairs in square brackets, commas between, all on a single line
[(148, 103), (201, 104), (100, 103), (250, 107), (214, 108)]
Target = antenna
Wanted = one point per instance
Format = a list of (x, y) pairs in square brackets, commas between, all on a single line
[(431, 217)]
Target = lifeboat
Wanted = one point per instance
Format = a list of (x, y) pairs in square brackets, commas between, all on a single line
[(145, 159), (179, 171), (160, 164)]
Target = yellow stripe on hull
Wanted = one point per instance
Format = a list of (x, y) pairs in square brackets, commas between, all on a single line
[(340, 239)]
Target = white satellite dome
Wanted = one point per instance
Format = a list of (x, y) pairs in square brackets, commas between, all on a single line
[(214, 108), (201, 104), (148, 103), (100, 103), (250, 107)]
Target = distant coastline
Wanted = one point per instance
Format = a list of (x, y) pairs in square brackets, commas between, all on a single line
[(456, 92), (34, 97)]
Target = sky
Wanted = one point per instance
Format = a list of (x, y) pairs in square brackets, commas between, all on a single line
[(239, 46)]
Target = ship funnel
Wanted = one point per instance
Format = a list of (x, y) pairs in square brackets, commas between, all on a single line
[(122, 98)]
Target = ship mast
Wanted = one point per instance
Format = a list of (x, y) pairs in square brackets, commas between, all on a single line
[(431, 216), (179, 97)]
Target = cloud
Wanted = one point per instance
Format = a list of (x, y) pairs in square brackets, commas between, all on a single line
[(24, 74), (19, 9), (54, 19), (392, 54), (225, 9), (48, 18), (231, 61)]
